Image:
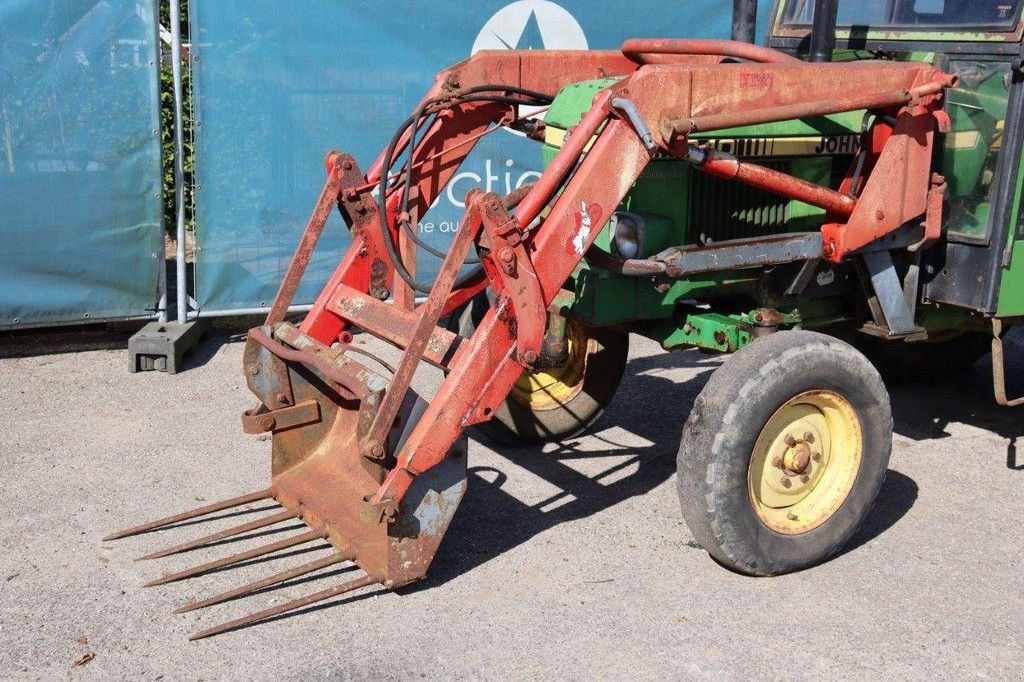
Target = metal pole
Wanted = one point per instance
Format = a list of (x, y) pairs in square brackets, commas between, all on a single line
[(181, 290), (744, 20), (823, 30)]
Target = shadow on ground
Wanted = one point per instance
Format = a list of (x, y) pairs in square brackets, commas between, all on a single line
[(651, 409)]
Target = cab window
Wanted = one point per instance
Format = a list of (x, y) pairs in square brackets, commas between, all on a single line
[(915, 14)]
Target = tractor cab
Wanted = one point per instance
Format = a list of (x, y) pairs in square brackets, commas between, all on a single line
[(980, 41)]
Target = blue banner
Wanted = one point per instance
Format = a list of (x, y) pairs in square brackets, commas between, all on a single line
[(278, 85), (80, 171)]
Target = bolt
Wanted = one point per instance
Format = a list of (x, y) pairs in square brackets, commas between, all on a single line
[(816, 456), (809, 437), (351, 194), (786, 483), (529, 357), (283, 398), (687, 328), (267, 423), (506, 256), (347, 164), (790, 441), (778, 463), (377, 451), (879, 214), (254, 370)]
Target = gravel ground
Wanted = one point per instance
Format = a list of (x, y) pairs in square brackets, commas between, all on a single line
[(564, 561)]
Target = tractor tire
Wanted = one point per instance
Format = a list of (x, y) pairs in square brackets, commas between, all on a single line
[(784, 453), (554, 404), (558, 403)]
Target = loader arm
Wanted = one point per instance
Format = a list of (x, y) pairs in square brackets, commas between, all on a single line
[(378, 472)]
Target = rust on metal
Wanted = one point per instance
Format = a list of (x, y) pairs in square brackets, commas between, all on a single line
[(287, 606), (221, 535), (300, 539), (304, 569), (654, 51), (376, 471), (192, 514)]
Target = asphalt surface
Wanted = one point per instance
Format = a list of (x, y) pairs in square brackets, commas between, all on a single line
[(565, 561)]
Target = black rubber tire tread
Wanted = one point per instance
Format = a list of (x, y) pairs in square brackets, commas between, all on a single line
[(728, 416), (514, 423)]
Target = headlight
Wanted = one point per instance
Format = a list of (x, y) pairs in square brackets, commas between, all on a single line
[(627, 235)]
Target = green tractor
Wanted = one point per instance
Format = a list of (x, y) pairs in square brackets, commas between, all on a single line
[(794, 432), (852, 190)]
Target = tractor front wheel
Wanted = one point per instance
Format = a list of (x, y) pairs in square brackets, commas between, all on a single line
[(556, 403), (784, 453)]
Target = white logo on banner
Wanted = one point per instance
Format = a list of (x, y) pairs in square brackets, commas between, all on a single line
[(520, 25)]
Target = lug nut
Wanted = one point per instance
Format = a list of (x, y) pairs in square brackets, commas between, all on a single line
[(809, 437), (786, 482), (790, 441), (805, 478), (778, 463), (816, 456)]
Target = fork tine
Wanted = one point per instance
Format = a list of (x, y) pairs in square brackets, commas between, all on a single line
[(220, 535), (287, 606), (266, 582), (241, 556), (183, 516)]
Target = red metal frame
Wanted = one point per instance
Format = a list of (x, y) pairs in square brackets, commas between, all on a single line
[(338, 469), (688, 92)]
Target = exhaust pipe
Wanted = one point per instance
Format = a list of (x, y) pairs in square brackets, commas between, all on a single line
[(823, 30), (744, 20)]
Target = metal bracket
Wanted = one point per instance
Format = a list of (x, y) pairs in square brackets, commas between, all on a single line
[(509, 264), (893, 317), (259, 419), (999, 367)]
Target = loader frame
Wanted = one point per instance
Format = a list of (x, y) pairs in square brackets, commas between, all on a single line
[(384, 501)]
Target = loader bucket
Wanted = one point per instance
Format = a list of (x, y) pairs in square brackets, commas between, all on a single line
[(320, 475)]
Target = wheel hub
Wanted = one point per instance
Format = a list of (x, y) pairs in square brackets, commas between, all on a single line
[(805, 461)]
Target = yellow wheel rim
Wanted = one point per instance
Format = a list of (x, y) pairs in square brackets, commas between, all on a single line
[(805, 462), (554, 387)]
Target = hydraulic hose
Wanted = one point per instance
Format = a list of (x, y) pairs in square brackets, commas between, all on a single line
[(414, 121)]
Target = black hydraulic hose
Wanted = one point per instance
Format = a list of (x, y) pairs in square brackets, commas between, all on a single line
[(414, 121)]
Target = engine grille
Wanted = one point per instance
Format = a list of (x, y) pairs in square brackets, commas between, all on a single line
[(723, 209)]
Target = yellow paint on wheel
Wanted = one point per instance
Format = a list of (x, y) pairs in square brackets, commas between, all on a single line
[(805, 462), (554, 387)]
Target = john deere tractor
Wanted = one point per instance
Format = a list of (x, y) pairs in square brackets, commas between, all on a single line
[(850, 190)]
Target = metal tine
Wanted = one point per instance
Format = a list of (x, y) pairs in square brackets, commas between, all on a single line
[(324, 562), (287, 606), (201, 511), (241, 556), (220, 535)]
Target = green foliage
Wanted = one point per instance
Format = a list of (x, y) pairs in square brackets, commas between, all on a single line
[(167, 125)]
